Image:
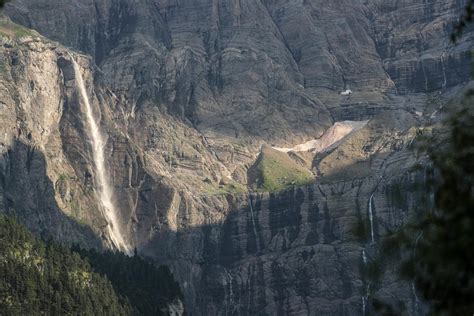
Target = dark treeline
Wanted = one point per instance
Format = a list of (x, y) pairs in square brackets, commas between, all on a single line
[(44, 278), (149, 289), (439, 243)]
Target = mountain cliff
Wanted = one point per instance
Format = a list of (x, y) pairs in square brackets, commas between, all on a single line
[(186, 93)]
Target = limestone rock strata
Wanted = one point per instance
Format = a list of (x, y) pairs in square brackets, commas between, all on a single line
[(186, 93)]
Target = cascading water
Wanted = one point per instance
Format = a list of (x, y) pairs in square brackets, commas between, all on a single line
[(413, 288), (104, 190), (229, 280), (371, 219), (366, 296), (445, 81), (253, 222), (364, 257), (363, 306)]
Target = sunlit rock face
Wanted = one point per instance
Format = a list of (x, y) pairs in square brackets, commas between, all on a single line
[(185, 93)]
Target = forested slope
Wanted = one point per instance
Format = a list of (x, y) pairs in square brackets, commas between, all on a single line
[(43, 278)]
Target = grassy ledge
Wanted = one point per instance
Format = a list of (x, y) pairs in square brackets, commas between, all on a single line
[(276, 171)]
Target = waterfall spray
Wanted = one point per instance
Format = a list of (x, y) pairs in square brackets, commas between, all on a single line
[(104, 190)]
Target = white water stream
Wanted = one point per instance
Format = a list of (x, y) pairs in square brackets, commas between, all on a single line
[(104, 189), (253, 223), (365, 298), (413, 288), (371, 219), (445, 81)]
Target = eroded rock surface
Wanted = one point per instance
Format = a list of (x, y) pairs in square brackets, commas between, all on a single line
[(186, 93)]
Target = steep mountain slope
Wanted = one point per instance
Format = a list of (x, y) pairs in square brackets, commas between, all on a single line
[(45, 278), (39, 278), (185, 93)]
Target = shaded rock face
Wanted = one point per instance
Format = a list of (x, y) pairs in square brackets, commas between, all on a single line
[(296, 252), (229, 66), (186, 92), (193, 65), (420, 61)]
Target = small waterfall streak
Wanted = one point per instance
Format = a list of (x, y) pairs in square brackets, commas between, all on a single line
[(229, 280), (365, 297), (104, 188), (371, 219), (415, 296), (253, 222), (365, 300), (364, 307), (413, 288), (445, 81)]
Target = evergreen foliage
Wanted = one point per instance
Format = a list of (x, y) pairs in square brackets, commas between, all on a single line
[(149, 289), (38, 278), (437, 245), (463, 21), (443, 265), (44, 278)]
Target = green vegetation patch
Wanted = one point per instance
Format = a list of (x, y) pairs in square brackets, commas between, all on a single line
[(44, 278), (276, 171), (38, 278), (232, 188), (11, 29)]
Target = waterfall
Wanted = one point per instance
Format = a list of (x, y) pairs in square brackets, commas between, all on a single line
[(417, 300), (415, 296), (229, 280), (365, 297), (253, 222), (445, 81), (363, 306), (371, 219), (104, 189), (365, 300)]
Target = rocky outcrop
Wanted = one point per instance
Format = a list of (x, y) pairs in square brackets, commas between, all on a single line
[(302, 251), (186, 92), (34, 169)]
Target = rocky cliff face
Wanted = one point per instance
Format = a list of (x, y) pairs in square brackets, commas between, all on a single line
[(186, 92)]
